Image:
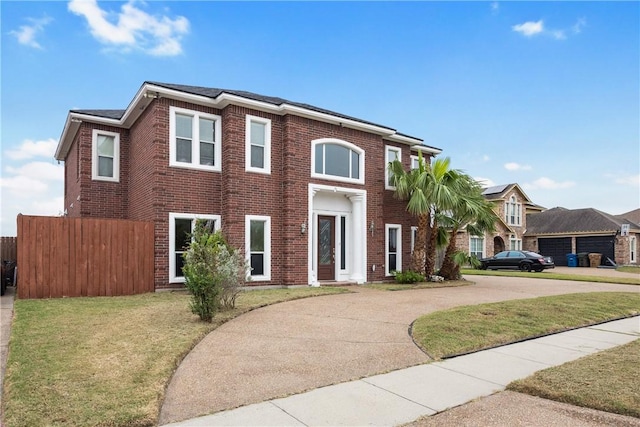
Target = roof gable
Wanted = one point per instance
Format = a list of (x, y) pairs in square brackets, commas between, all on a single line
[(500, 192)]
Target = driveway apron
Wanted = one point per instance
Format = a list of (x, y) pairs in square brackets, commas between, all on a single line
[(299, 345)]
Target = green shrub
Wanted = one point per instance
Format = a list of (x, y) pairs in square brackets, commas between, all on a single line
[(214, 272), (409, 276)]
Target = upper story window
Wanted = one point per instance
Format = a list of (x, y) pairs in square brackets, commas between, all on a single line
[(415, 162), (195, 140), (105, 158), (391, 154), (513, 212), (337, 160), (258, 145)]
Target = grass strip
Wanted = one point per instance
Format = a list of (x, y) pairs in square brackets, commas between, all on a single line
[(629, 269), (421, 285), (607, 381), (106, 361), (555, 276), (470, 328)]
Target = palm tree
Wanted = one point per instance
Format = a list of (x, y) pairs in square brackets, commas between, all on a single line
[(471, 211), (429, 190)]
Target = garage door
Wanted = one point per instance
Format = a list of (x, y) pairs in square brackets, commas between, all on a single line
[(557, 247), (600, 244)]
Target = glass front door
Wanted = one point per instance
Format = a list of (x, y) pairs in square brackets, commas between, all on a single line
[(326, 248)]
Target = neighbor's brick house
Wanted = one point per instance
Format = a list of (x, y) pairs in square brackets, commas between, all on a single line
[(302, 190), (511, 206)]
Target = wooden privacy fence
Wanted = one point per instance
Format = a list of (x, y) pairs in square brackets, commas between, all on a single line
[(59, 257), (8, 248)]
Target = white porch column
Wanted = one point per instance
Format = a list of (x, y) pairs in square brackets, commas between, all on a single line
[(359, 238)]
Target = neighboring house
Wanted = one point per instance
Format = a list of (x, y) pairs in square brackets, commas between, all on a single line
[(302, 190), (511, 207), (557, 232)]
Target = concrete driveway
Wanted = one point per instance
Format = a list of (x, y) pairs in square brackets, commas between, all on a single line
[(299, 345)]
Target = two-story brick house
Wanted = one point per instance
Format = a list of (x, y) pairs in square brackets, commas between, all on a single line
[(302, 190), (511, 205)]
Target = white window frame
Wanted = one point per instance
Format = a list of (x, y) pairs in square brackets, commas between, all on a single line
[(94, 156), (513, 208), (267, 246), (173, 278), (267, 145), (484, 245), (360, 151), (387, 227), (387, 174), (415, 162), (515, 244), (633, 249), (195, 141), (414, 237)]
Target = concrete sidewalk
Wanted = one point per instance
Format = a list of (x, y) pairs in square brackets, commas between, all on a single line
[(404, 395)]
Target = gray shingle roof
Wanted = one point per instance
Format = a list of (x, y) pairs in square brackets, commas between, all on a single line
[(108, 114), (630, 217), (561, 220), (215, 92)]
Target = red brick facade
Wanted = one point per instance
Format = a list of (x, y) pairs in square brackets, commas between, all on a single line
[(149, 188)]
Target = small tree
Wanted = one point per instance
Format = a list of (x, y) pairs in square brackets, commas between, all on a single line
[(214, 272)]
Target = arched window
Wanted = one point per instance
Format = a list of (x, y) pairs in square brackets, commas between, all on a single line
[(513, 212), (337, 160)]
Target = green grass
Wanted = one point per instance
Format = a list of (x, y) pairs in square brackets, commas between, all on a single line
[(421, 285), (106, 361), (607, 381), (471, 328), (629, 269), (550, 275)]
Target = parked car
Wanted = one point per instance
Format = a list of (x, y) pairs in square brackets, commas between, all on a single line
[(521, 260)]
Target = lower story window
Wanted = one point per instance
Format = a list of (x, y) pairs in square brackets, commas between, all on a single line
[(633, 249), (414, 237), (476, 246), (515, 244), (393, 248), (258, 246), (181, 226)]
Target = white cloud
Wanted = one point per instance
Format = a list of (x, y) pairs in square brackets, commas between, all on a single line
[(530, 28), (485, 182), (632, 180), (29, 149), (26, 34), (486, 158), (545, 183), (579, 25), (516, 167), (39, 170), (134, 28), (31, 179), (495, 7)]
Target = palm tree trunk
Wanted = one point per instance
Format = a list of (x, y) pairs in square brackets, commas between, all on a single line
[(419, 248), (430, 258), (450, 270)]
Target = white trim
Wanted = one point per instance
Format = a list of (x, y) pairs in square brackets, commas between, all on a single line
[(172, 229), (387, 173), (195, 141), (267, 145), (387, 227), (346, 144), (417, 160), (94, 156), (267, 245)]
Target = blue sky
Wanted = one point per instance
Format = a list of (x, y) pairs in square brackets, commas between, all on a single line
[(544, 94)]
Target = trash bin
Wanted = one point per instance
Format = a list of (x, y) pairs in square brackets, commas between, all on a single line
[(583, 259), (572, 260), (595, 259)]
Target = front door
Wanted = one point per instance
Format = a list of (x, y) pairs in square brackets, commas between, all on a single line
[(326, 248)]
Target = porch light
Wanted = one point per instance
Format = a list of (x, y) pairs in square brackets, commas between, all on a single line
[(303, 228), (372, 227)]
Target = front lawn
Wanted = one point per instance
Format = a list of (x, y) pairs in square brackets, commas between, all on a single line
[(470, 328), (549, 274), (106, 361)]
